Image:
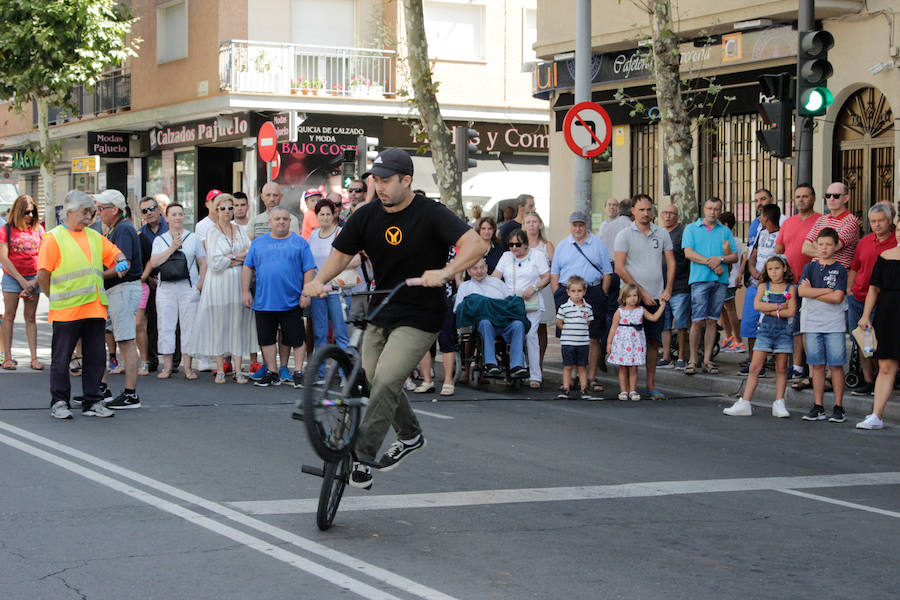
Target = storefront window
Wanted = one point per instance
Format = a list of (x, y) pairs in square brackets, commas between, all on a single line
[(644, 159), (154, 175), (186, 185)]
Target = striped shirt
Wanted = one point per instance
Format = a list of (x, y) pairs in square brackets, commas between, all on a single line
[(847, 226), (575, 320)]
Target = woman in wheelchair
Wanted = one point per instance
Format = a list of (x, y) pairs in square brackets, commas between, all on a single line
[(488, 305)]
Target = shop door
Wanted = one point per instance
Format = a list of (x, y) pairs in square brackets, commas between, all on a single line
[(864, 150)]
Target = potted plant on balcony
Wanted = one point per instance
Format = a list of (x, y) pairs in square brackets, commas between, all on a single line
[(359, 86), (304, 86), (376, 90), (295, 87), (337, 89), (317, 84)]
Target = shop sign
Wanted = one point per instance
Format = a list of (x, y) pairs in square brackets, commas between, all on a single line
[(492, 137), (109, 144), (206, 131), (21, 160), (636, 64), (86, 164)]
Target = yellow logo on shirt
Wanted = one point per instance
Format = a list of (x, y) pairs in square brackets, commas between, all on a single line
[(393, 235)]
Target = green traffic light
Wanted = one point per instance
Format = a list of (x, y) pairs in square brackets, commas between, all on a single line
[(815, 101)]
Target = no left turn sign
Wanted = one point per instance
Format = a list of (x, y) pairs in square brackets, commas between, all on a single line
[(587, 129)]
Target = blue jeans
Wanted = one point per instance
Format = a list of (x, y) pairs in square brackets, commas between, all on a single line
[(323, 310), (514, 334)]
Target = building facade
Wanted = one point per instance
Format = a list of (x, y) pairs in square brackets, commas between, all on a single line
[(184, 116), (726, 45)]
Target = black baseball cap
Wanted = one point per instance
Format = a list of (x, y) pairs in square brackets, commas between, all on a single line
[(390, 161)]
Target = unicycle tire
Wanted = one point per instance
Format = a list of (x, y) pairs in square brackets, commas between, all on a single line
[(335, 476), (331, 425)]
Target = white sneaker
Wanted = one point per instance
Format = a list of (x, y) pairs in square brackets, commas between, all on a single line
[(778, 410), (98, 409), (870, 422), (205, 365), (741, 408), (59, 410), (409, 385)]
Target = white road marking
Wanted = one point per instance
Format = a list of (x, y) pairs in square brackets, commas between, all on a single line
[(330, 575), (431, 414), (871, 509), (566, 494)]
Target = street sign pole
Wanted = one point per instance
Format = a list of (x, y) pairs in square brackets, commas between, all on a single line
[(803, 126), (583, 56)]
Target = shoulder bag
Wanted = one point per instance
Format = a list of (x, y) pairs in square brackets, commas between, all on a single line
[(534, 302), (176, 266)]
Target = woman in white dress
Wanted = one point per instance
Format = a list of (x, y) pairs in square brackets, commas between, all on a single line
[(534, 227), (224, 325), (527, 272)]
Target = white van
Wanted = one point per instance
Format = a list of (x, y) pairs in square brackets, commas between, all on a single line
[(496, 190)]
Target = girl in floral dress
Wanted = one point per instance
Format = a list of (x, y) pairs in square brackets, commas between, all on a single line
[(627, 343)]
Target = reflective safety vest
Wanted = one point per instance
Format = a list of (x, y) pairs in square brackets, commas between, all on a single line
[(76, 280)]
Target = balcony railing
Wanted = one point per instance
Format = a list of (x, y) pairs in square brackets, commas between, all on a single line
[(304, 69), (112, 93)]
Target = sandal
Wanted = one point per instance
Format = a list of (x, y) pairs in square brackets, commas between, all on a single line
[(75, 366), (239, 378), (119, 369), (634, 396), (596, 386), (447, 389), (144, 370), (425, 386), (220, 377), (9, 365), (623, 396), (711, 368), (691, 368), (802, 384), (191, 374), (164, 374), (36, 365)]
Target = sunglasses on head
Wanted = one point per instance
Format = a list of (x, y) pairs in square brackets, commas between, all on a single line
[(515, 244), (356, 190), (149, 209), (838, 195)]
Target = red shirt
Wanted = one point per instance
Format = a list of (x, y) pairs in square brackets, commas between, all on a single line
[(23, 248), (792, 234), (847, 226), (867, 251)]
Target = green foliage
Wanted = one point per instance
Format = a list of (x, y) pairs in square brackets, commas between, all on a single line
[(48, 47)]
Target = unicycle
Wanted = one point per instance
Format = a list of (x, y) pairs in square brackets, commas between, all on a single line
[(335, 390)]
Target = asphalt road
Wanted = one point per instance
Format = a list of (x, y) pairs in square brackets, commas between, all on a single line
[(199, 495)]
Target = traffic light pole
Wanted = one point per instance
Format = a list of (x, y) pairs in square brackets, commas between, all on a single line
[(583, 56), (803, 126)]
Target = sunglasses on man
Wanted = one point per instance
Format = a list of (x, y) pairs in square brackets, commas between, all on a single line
[(149, 209), (838, 195), (515, 244)]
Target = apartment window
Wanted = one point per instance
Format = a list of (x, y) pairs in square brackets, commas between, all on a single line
[(172, 31), (529, 35), (307, 16), (455, 31)]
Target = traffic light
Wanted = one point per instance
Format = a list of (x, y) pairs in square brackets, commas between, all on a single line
[(813, 71), (366, 152), (348, 167), (464, 138), (777, 114)]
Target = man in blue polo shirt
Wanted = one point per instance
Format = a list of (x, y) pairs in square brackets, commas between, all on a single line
[(584, 254), (709, 245)]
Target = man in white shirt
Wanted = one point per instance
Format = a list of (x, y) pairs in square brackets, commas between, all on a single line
[(514, 333)]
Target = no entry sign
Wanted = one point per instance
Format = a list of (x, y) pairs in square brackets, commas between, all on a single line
[(587, 129), (265, 141)]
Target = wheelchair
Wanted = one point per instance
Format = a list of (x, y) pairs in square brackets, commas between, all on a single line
[(470, 355)]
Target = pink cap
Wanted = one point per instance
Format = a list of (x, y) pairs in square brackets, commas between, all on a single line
[(212, 194)]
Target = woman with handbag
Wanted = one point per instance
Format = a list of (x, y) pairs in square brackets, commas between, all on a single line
[(223, 325), (325, 310), (181, 260), (527, 271)]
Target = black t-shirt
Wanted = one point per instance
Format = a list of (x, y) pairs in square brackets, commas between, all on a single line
[(401, 245), (125, 237), (682, 264), (507, 230)]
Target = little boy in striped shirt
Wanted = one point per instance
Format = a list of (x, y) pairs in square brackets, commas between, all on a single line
[(574, 318)]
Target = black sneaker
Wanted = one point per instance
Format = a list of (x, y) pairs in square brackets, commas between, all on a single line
[(518, 372), (563, 394), (745, 370), (816, 413), (837, 415), (866, 389), (298, 379), (270, 378), (361, 476), (491, 369), (79, 400), (124, 401), (398, 451)]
